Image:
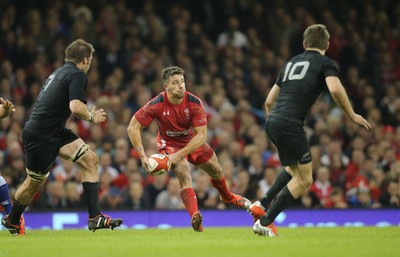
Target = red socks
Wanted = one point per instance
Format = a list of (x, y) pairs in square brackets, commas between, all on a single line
[(190, 200), (220, 185)]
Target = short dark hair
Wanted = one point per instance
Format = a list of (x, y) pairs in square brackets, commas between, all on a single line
[(78, 50), (316, 36), (170, 71)]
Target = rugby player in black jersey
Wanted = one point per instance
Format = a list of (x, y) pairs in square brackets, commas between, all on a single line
[(297, 87), (45, 137)]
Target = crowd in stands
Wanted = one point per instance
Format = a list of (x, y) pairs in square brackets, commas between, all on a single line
[(231, 51)]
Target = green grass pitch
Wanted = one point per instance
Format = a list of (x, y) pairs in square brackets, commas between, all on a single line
[(221, 242)]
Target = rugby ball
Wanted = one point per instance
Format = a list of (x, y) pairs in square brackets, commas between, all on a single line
[(159, 164)]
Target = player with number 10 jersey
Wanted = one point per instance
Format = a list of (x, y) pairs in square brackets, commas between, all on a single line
[(308, 72), (297, 87)]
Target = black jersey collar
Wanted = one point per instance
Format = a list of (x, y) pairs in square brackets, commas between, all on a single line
[(312, 51)]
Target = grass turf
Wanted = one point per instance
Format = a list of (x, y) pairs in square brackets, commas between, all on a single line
[(221, 242)]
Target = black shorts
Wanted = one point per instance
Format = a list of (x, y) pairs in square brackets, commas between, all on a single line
[(290, 139), (40, 153)]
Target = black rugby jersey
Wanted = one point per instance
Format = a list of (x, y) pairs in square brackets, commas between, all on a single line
[(51, 108), (301, 81)]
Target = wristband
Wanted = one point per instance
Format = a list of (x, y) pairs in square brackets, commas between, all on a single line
[(91, 117)]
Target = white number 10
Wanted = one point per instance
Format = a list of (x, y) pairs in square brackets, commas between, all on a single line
[(291, 69)]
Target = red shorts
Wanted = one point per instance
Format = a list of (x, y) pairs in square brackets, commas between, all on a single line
[(198, 156)]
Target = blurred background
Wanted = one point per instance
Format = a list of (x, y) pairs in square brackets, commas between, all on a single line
[(231, 51)]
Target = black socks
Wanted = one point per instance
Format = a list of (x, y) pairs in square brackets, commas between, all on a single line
[(284, 199), (281, 181), (91, 192), (16, 212)]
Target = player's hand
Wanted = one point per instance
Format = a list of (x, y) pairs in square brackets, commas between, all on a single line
[(7, 105), (145, 164), (174, 158), (99, 115), (361, 121)]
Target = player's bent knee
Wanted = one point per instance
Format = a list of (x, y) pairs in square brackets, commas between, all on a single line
[(78, 154), (89, 161), (215, 173), (306, 183)]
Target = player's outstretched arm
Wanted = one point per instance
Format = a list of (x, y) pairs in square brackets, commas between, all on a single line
[(340, 97), (79, 109)]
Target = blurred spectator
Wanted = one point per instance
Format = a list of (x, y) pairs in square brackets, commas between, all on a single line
[(334, 147), (376, 183), (158, 185), (106, 187), (105, 165), (54, 197), (362, 199), (308, 200), (82, 26), (321, 186), (391, 197), (244, 187), (337, 171), (113, 199), (256, 167), (66, 171), (354, 178), (266, 182), (73, 193), (170, 198), (336, 199), (136, 199), (230, 171), (207, 196), (232, 36)]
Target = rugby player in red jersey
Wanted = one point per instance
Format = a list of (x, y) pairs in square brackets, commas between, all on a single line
[(182, 135)]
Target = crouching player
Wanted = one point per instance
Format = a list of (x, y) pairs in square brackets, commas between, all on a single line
[(182, 136)]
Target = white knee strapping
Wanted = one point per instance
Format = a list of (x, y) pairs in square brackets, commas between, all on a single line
[(79, 153), (36, 176)]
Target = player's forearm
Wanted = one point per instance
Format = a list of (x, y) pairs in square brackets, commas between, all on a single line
[(136, 139), (341, 99), (80, 110), (271, 98), (85, 115), (268, 107), (197, 141), (339, 95), (136, 142)]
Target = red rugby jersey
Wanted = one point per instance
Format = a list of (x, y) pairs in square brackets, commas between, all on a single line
[(175, 121)]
